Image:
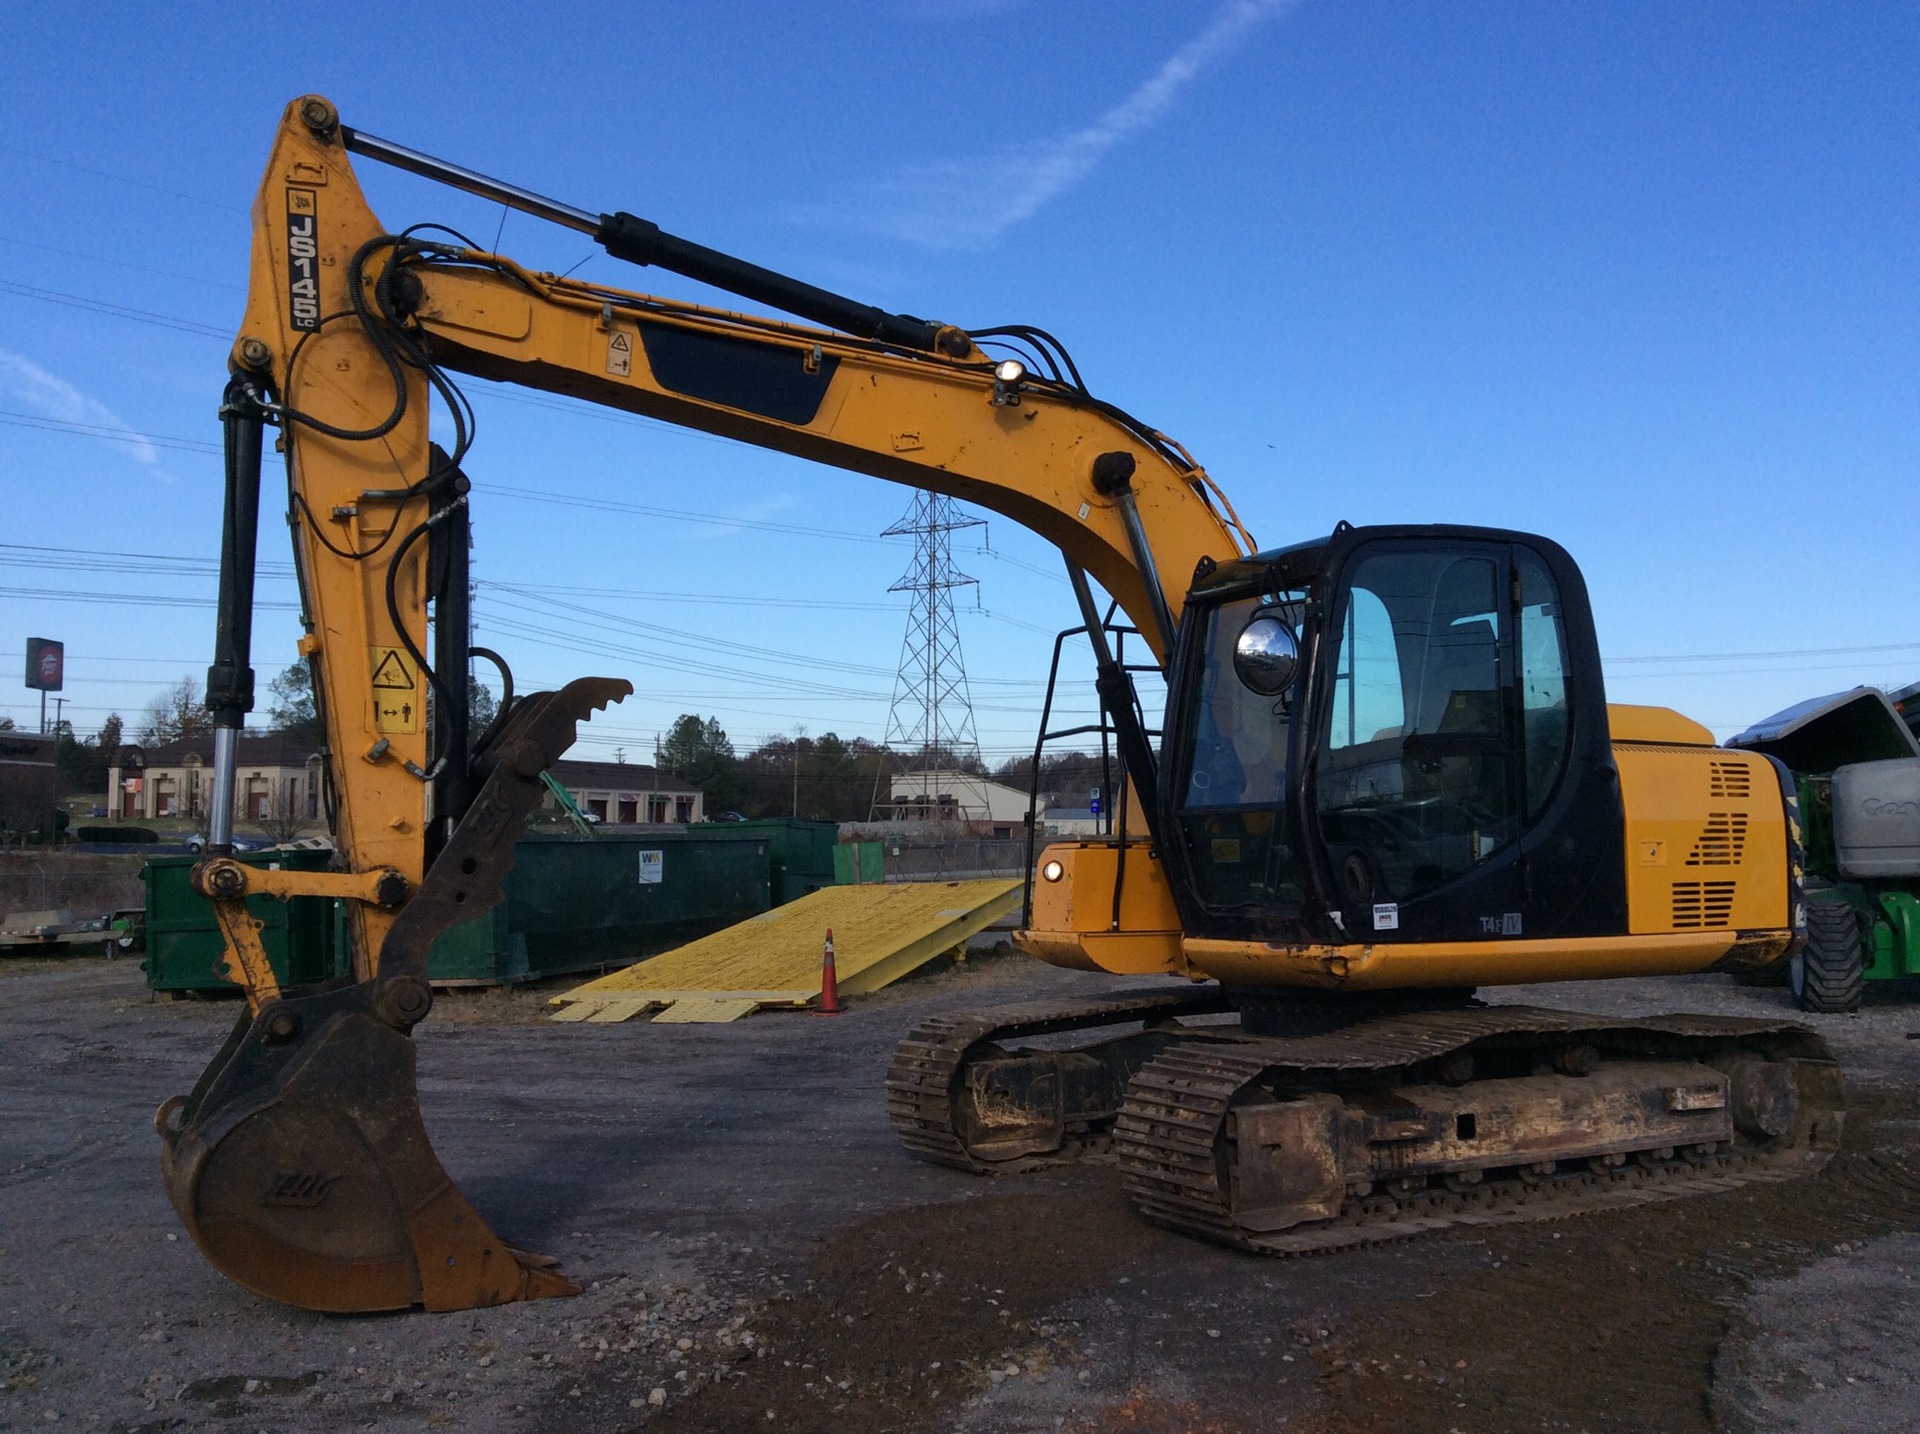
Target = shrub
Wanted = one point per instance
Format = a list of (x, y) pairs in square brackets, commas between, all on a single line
[(128, 836)]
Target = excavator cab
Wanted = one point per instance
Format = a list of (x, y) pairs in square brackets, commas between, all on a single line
[(1397, 734)]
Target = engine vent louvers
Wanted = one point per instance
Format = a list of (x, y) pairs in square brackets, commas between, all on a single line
[(1724, 841), (1702, 905), (1729, 779)]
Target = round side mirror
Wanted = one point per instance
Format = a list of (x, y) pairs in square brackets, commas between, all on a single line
[(1265, 655)]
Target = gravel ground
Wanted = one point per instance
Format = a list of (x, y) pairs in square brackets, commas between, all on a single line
[(760, 1254)]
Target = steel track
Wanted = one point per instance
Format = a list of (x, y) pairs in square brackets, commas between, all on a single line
[(925, 1074), (1169, 1135)]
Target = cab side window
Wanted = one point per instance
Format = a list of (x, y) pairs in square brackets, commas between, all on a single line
[(1543, 680)]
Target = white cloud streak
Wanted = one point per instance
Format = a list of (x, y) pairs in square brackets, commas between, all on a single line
[(47, 393), (969, 203)]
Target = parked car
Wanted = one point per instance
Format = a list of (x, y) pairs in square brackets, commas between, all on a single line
[(198, 843)]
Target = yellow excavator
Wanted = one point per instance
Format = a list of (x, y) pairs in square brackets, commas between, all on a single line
[(1386, 775)]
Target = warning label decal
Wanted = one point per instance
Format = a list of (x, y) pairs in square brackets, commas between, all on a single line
[(397, 699), (390, 669)]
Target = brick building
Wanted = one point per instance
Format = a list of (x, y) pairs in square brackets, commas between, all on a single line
[(29, 782), (629, 792)]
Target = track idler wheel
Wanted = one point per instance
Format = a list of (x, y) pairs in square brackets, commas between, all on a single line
[(303, 1171)]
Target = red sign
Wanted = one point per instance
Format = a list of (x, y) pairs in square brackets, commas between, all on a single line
[(46, 664)]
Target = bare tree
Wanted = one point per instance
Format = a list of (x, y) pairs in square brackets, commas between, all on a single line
[(178, 712), (286, 819)]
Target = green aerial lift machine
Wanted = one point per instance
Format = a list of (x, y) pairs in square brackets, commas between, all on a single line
[(1856, 763)]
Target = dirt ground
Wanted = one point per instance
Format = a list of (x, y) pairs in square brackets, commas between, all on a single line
[(759, 1253)]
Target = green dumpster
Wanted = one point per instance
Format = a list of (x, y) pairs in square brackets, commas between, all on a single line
[(580, 904), (572, 904), (184, 944), (800, 855)]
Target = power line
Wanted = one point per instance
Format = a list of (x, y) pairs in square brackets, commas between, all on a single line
[(122, 179), (575, 642), (74, 659), (118, 311), (1048, 573), (679, 515), (134, 599), (92, 560), (612, 622), (41, 556), (724, 599), (1758, 656), (121, 264), (101, 560), (102, 431)]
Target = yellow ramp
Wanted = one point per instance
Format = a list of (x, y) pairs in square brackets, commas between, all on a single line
[(880, 933)]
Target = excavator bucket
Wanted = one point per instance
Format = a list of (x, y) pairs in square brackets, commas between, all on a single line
[(302, 1169), (299, 1162)]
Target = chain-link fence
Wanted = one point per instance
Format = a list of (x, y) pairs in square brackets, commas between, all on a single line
[(86, 885), (955, 859)]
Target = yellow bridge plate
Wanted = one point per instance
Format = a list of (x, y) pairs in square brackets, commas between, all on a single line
[(880, 933)]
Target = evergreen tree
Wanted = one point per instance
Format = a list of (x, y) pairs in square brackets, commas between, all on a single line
[(699, 752), (294, 711)]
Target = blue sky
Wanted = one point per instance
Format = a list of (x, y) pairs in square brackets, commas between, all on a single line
[(1637, 276)]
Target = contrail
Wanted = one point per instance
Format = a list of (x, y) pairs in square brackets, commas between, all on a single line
[(52, 395), (968, 203)]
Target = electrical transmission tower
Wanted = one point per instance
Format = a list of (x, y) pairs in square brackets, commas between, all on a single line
[(931, 720)]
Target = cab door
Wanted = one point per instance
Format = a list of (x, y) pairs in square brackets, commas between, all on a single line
[(1442, 780)]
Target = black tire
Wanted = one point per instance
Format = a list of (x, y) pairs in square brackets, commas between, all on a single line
[(1826, 975)]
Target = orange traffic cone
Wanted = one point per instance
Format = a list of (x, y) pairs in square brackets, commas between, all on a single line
[(829, 982)]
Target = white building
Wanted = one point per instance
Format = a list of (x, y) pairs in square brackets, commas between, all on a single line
[(1074, 822), (960, 797), (276, 777)]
